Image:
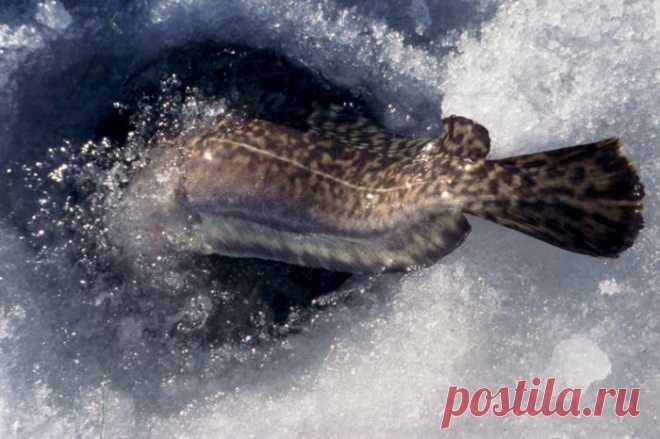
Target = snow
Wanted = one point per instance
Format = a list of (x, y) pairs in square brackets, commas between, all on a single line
[(53, 15), (85, 356), (419, 12), (579, 362), (610, 287)]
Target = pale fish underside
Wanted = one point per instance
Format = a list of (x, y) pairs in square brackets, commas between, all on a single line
[(346, 195)]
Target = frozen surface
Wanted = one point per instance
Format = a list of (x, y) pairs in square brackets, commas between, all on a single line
[(82, 361), (53, 15), (578, 362)]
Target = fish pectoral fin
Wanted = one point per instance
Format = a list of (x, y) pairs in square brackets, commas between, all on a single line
[(427, 241), (465, 138)]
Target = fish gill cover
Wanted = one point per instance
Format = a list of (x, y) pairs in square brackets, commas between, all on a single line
[(103, 341)]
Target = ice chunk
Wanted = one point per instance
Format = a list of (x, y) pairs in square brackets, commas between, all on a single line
[(609, 287), (578, 362), (54, 15), (419, 12), (18, 37)]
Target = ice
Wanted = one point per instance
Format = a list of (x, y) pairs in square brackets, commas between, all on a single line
[(53, 15), (16, 42), (579, 362), (609, 287), (95, 361), (553, 80), (309, 31), (419, 11)]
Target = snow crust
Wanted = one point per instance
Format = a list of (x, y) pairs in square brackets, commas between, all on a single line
[(379, 362)]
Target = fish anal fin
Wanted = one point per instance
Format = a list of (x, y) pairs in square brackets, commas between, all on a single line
[(403, 248), (465, 138), (407, 247)]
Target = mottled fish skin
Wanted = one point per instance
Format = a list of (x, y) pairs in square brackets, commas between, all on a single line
[(586, 199), (346, 195)]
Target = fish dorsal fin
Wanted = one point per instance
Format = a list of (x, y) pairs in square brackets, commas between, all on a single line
[(346, 124), (465, 138)]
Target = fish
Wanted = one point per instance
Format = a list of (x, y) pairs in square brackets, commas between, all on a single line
[(341, 193)]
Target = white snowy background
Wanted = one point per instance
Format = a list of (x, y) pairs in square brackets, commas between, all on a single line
[(538, 73)]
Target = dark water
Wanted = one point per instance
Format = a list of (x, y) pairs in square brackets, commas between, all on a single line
[(170, 299)]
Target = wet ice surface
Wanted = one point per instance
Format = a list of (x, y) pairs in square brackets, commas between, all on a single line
[(91, 360)]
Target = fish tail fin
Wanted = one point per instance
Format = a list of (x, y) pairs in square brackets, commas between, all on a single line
[(586, 199)]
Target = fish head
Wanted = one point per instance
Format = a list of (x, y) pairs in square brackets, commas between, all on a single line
[(153, 215)]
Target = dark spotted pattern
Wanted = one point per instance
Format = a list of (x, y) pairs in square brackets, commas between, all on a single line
[(464, 138), (344, 194), (586, 199)]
